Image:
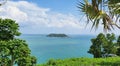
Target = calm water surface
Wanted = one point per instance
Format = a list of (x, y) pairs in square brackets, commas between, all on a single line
[(45, 48)]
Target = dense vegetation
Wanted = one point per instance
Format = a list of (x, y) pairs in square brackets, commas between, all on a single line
[(111, 61), (12, 50), (57, 35), (104, 45)]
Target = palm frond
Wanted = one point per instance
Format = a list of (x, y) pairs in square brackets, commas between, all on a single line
[(95, 13)]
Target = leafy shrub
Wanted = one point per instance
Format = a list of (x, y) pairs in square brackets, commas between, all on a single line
[(110, 61)]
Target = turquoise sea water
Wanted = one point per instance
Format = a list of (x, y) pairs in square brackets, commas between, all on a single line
[(45, 48)]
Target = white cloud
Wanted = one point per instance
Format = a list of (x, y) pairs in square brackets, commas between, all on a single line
[(35, 19), (30, 16)]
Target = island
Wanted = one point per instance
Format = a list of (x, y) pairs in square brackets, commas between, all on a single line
[(56, 35)]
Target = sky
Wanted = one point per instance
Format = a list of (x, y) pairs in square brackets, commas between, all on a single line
[(48, 16)]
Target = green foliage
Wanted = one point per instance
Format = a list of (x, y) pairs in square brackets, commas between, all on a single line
[(8, 29), (111, 61), (57, 35), (18, 47), (114, 7), (110, 47), (118, 51), (118, 41), (27, 61), (96, 48), (118, 44), (103, 44), (12, 50), (51, 62)]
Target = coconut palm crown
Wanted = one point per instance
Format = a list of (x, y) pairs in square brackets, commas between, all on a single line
[(105, 12)]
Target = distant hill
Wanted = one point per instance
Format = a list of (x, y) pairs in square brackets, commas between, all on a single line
[(57, 35)]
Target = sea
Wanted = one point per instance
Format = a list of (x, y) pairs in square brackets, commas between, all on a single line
[(45, 48)]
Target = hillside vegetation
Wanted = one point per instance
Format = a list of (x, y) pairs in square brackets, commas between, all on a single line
[(110, 61), (56, 35)]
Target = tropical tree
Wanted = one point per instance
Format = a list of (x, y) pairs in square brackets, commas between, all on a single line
[(105, 12), (27, 61), (11, 48), (97, 46), (103, 44), (110, 47), (4, 53), (17, 49), (8, 29)]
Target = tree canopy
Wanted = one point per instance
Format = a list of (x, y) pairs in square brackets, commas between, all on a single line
[(103, 44), (13, 50), (8, 29)]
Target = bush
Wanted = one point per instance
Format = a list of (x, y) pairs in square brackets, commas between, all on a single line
[(110, 61)]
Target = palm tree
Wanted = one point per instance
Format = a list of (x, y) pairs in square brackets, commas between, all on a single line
[(106, 12)]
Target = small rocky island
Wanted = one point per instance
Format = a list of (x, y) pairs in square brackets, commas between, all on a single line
[(57, 35)]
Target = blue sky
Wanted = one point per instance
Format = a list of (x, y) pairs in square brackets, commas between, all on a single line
[(62, 6), (56, 5), (47, 16)]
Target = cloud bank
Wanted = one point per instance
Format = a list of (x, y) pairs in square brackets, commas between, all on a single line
[(34, 19)]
